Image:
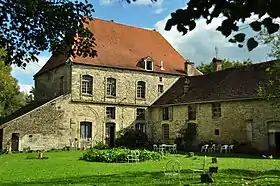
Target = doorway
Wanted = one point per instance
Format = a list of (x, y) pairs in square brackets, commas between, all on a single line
[(277, 141), (110, 134), (1, 140), (15, 141)]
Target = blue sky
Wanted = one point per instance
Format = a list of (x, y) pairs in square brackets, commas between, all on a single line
[(197, 46)]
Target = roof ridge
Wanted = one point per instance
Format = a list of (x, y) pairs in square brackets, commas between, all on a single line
[(122, 24)]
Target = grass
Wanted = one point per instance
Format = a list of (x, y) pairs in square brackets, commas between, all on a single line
[(64, 168)]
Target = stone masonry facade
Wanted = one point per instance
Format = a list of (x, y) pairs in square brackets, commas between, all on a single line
[(57, 123), (241, 121)]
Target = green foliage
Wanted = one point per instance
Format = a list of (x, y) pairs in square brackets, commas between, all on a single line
[(30, 26), (190, 154), (62, 168), (269, 88), (208, 68), (100, 145), (118, 155), (132, 139), (11, 98), (234, 11)]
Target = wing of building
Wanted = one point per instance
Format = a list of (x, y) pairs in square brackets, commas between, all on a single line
[(139, 81)]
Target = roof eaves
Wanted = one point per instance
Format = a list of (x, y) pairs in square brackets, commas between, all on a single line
[(204, 102)]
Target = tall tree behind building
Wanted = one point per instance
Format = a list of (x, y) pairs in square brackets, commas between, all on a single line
[(11, 98)]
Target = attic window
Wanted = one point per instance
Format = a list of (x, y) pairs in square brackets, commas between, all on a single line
[(149, 65)]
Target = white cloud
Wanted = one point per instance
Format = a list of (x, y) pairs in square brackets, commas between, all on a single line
[(199, 44), (25, 88), (157, 5), (25, 76)]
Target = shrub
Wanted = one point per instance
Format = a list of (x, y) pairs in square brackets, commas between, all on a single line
[(118, 155), (245, 148), (132, 139), (190, 154), (100, 145)]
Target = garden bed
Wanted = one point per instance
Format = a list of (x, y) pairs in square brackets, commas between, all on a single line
[(119, 155)]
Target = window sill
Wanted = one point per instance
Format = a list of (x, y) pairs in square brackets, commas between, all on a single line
[(88, 95), (110, 96), (141, 99)]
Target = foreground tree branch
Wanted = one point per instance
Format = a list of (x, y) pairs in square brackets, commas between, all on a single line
[(30, 26)]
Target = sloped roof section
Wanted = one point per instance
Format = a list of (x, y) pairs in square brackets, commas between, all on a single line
[(26, 109), (122, 46), (228, 84)]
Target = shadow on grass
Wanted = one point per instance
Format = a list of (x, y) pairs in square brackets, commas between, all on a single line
[(224, 177), (128, 178), (227, 155)]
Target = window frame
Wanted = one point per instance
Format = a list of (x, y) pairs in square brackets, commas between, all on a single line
[(149, 61), (87, 130), (216, 110), (165, 127), (111, 87), (167, 115), (140, 126), (137, 115), (217, 132), (160, 92), (141, 91), (192, 112), (88, 83), (113, 114)]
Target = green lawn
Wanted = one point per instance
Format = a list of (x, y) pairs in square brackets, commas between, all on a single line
[(64, 168)]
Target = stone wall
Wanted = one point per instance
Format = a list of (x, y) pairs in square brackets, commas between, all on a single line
[(47, 85), (44, 127), (126, 84), (232, 124)]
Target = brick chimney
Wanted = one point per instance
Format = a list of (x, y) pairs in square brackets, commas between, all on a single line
[(217, 64), (189, 68)]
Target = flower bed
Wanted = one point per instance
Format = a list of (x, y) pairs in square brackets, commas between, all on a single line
[(118, 155)]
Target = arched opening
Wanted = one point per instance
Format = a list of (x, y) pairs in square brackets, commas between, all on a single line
[(110, 134)]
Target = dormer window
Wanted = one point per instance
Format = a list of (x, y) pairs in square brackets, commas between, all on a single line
[(149, 65)]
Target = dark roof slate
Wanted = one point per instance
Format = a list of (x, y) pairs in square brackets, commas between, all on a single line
[(228, 84)]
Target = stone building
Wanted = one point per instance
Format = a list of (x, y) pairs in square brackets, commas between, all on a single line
[(86, 100), (224, 106)]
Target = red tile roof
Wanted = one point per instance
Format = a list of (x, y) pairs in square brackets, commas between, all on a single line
[(122, 46)]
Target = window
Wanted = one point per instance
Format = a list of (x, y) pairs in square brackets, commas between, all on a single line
[(111, 87), (141, 89), (165, 131), (167, 113), (217, 132), (160, 89), (249, 130), (160, 79), (140, 127), (61, 85), (87, 82), (192, 112), (111, 112), (216, 110), (149, 65), (85, 130), (186, 87), (140, 114)]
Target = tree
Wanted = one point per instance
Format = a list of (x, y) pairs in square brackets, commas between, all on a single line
[(28, 27), (234, 11), (11, 98), (207, 68), (270, 89)]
